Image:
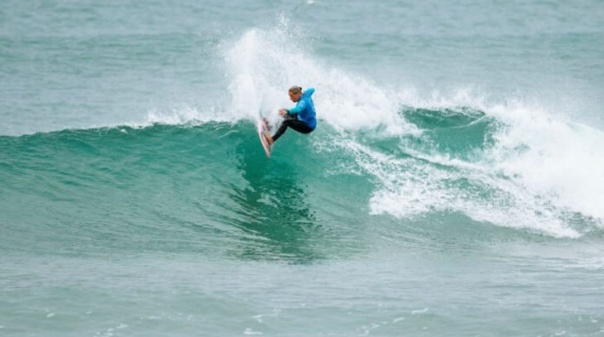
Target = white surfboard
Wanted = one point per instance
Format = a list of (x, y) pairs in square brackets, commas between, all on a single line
[(262, 128)]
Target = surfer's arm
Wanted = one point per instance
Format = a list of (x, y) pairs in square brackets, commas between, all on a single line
[(309, 91), (299, 108)]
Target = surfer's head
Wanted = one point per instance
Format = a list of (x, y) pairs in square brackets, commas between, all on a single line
[(295, 93)]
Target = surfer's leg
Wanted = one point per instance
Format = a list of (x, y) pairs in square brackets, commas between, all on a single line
[(295, 124), (281, 130), (300, 126)]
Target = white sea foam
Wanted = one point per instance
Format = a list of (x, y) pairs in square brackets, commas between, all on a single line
[(187, 114), (263, 64), (541, 169), (552, 157)]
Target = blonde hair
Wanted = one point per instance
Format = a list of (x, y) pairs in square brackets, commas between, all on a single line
[(295, 89)]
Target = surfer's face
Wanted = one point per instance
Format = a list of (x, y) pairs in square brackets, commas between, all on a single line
[(295, 97)]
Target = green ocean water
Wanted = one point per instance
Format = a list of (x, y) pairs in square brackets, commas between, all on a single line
[(452, 187)]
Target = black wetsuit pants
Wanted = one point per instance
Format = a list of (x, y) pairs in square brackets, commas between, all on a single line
[(294, 123)]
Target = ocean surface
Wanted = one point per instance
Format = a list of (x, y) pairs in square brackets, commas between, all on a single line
[(454, 185)]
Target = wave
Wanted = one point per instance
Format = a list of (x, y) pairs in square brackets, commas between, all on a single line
[(450, 167), (384, 152)]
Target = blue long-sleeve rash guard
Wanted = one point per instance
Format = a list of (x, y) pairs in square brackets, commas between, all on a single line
[(305, 108)]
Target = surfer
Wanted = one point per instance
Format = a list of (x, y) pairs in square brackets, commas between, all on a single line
[(301, 118)]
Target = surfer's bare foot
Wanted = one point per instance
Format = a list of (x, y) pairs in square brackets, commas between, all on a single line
[(269, 139)]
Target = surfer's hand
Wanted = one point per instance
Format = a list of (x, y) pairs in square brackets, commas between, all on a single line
[(282, 112)]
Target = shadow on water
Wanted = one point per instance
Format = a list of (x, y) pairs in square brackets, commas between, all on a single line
[(273, 208)]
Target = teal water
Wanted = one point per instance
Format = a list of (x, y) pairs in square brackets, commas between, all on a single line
[(452, 188)]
